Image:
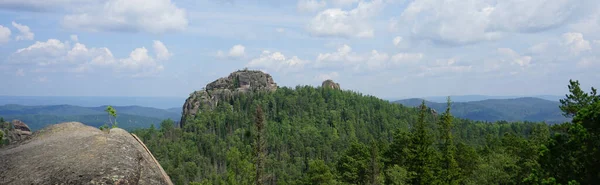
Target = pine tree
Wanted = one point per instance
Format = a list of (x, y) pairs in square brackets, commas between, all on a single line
[(450, 171), (259, 145), (422, 151)]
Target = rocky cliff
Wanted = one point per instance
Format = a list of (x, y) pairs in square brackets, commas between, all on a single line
[(73, 153), (330, 84), (241, 81), (13, 132)]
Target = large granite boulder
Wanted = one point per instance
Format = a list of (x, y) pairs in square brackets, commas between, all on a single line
[(240, 81), (14, 132), (73, 153), (330, 84)]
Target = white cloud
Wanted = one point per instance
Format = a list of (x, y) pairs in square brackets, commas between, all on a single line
[(155, 16), (24, 32), (327, 76), (397, 40), (276, 61), (342, 57), (406, 58), (20, 72), (310, 5), (514, 58), (162, 53), (539, 48), (4, 34), (280, 30), (74, 38), (470, 21), (340, 23), (54, 54), (236, 52), (343, 2), (575, 42), (443, 67), (41, 53)]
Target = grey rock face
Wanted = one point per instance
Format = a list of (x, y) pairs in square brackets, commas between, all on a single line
[(330, 84), (73, 153), (237, 82), (15, 132)]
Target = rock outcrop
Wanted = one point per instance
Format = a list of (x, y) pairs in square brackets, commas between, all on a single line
[(241, 81), (14, 132), (330, 84), (73, 153)]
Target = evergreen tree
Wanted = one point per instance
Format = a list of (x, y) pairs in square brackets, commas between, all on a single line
[(450, 172), (259, 145), (577, 100), (423, 154)]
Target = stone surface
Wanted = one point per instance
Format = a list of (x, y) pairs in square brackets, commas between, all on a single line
[(14, 132), (240, 81), (330, 84), (73, 153)]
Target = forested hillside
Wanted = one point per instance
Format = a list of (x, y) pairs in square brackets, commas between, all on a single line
[(310, 135), (130, 117), (517, 109)]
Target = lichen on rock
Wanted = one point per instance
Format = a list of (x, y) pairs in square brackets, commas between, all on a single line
[(241, 81)]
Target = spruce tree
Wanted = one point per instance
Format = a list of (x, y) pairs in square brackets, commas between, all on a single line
[(259, 145), (450, 171), (422, 152)]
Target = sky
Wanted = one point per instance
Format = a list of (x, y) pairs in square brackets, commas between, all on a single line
[(386, 48)]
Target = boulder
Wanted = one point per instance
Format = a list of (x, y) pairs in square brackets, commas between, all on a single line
[(330, 84), (73, 153), (14, 132), (241, 81)]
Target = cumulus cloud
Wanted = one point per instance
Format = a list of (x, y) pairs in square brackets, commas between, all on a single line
[(444, 66), (155, 16), (327, 76), (4, 34), (310, 5), (514, 58), (575, 42), (397, 40), (276, 61), (406, 58), (470, 21), (80, 58), (344, 57), (24, 32), (162, 53), (539, 48), (340, 23), (236, 52)]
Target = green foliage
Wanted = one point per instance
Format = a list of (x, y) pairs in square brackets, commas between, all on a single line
[(112, 113), (577, 100), (325, 136)]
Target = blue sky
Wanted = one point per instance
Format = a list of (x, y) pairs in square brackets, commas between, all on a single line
[(386, 48)]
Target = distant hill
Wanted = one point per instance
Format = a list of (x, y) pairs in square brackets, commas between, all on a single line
[(517, 109), (129, 117), (94, 101), (469, 98)]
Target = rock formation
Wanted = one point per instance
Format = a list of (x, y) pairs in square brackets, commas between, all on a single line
[(240, 81), (15, 131), (73, 153), (330, 84)]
